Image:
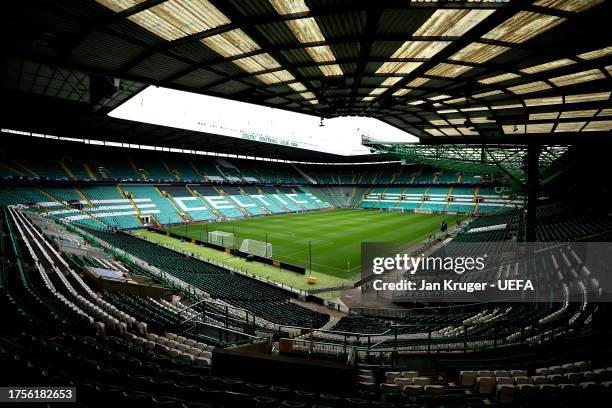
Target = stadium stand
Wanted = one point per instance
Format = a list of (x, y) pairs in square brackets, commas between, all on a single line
[(266, 301), (108, 163), (434, 199), (437, 199), (150, 167), (341, 197), (445, 176), (181, 168), (108, 203), (505, 384), (561, 223), (185, 202), (130, 326), (167, 213)]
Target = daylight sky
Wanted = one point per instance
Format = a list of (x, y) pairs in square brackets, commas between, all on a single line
[(168, 107)]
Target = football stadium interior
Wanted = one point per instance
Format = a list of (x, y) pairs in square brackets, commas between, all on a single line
[(189, 189)]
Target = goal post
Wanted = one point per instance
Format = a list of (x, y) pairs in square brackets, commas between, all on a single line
[(395, 209), (221, 238), (258, 248)]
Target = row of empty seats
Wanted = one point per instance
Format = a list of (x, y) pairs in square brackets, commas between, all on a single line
[(130, 206), (450, 199), (70, 291), (113, 164), (263, 300)]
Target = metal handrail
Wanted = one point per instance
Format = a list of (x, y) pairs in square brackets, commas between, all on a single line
[(214, 326), (393, 328)]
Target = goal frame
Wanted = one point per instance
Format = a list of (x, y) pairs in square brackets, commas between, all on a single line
[(221, 238), (265, 251)]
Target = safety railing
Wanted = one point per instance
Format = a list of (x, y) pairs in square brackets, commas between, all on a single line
[(421, 338)]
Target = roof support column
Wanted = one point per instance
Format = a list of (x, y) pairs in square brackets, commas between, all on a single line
[(533, 157)]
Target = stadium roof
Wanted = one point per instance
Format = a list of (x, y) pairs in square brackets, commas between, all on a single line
[(67, 117), (446, 71)]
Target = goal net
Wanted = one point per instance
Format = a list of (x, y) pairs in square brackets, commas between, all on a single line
[(221, 238), (254, 247), (395, 209)]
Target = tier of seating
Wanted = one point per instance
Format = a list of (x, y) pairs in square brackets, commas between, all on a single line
[(418, 321), (108, 370), (129, 206), (499, 386), (117, 348), (359, 324), (441, 322), (449, 329), (453, 199), (571, 380), (460, 327), (263, 300), (56, 278), (558, 223), (151, 195), (120, 165), (339, 196)]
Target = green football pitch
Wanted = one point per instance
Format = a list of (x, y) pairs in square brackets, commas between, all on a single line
[(334, 236)]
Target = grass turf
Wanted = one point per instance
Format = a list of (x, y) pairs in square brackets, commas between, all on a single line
[(335, 235)]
